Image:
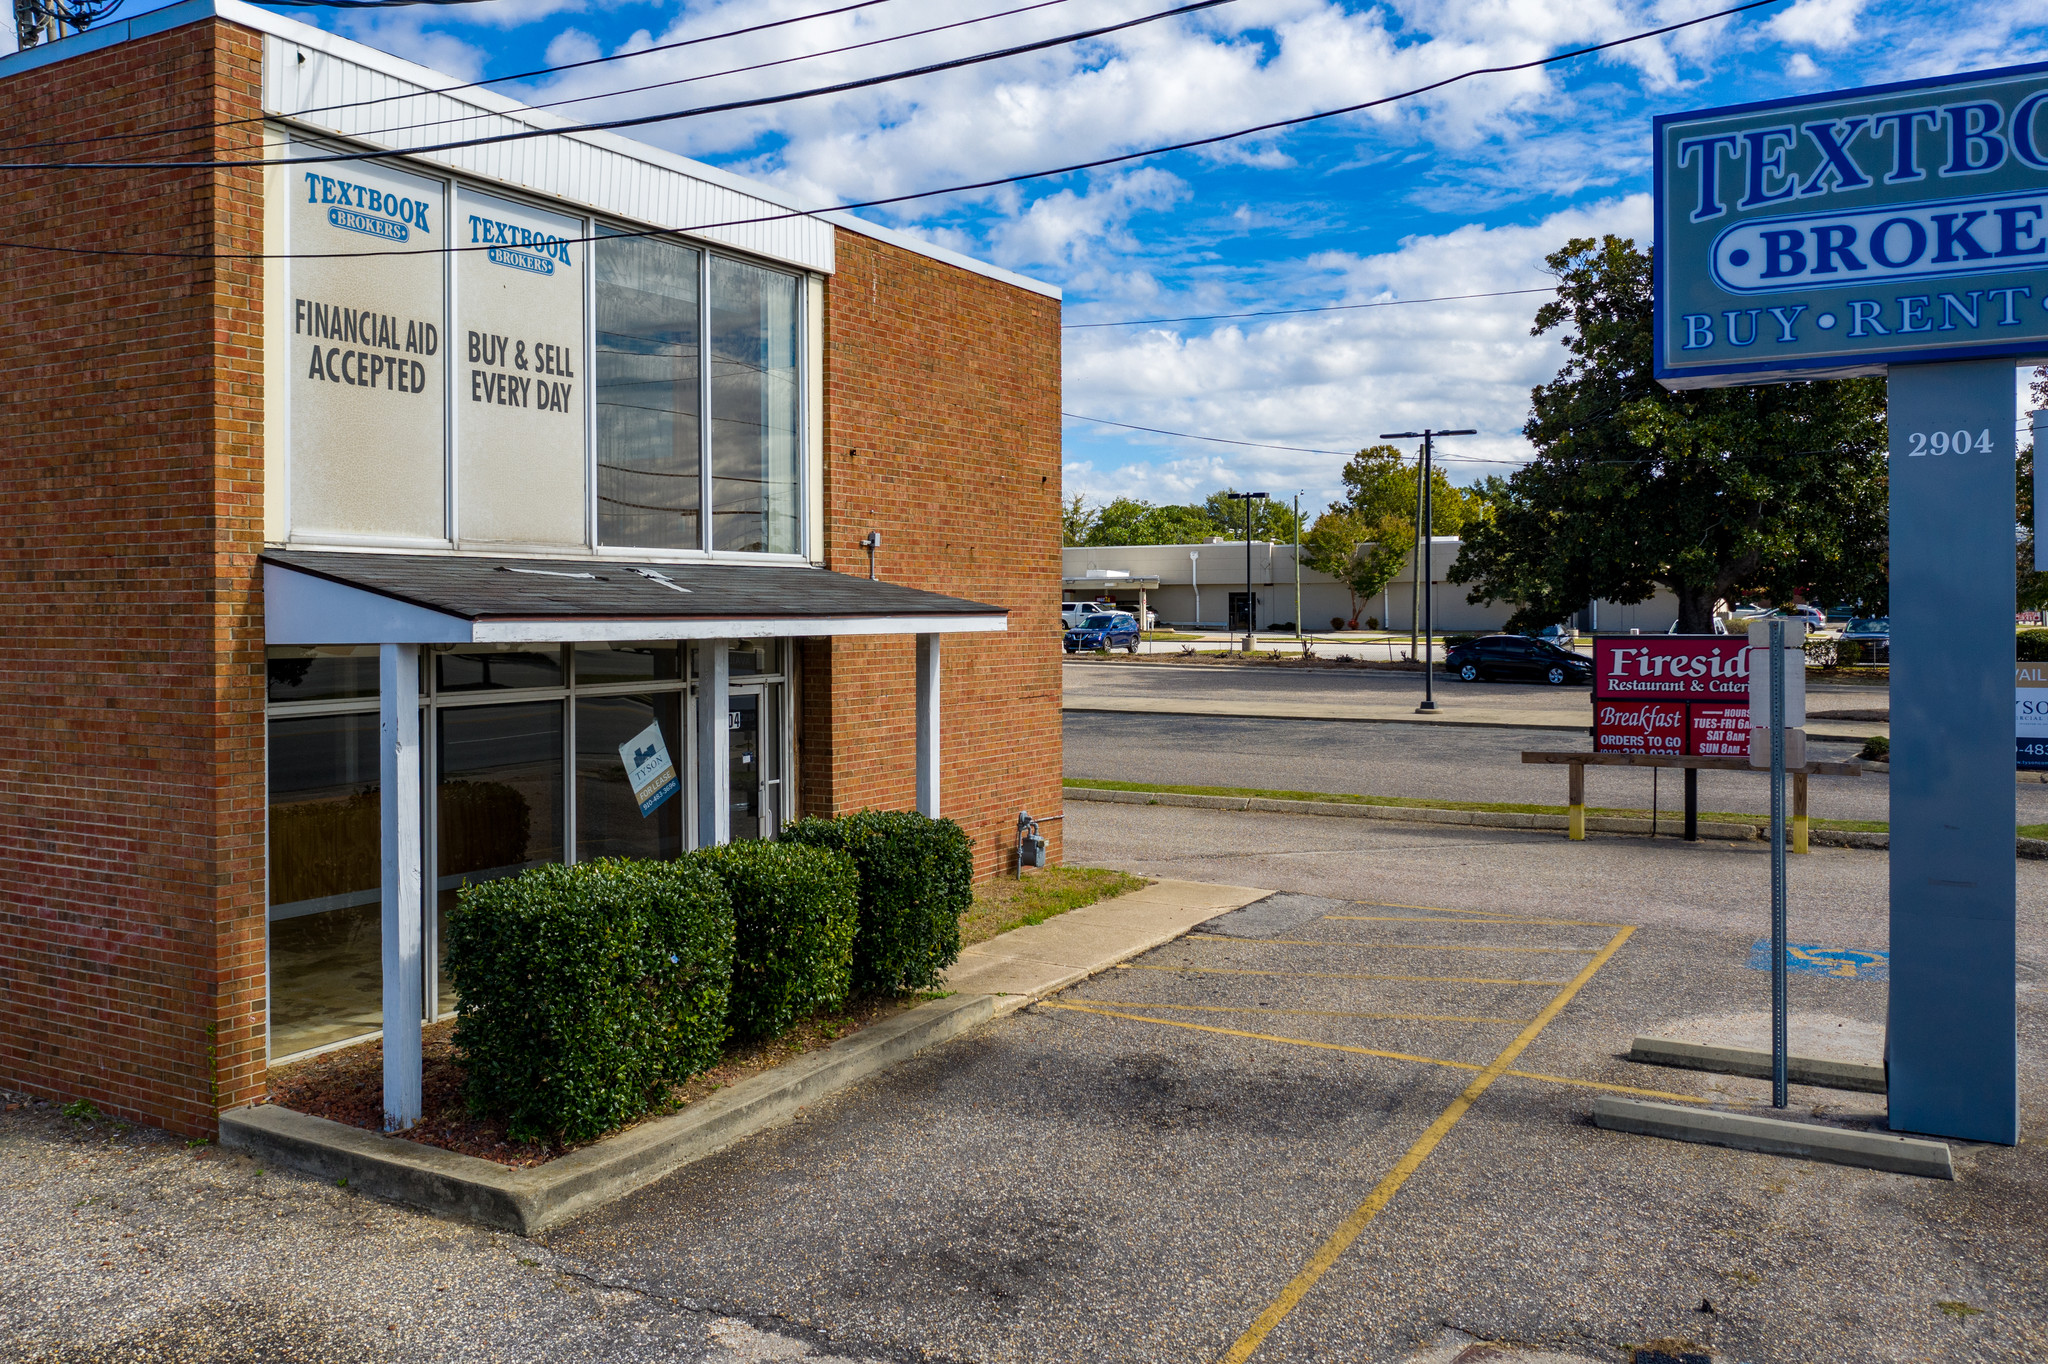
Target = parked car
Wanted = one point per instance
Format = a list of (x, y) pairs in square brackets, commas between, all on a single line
[(1072, 612), (1104, 630), (1558, 634), (1874, 633), (1519, 658)]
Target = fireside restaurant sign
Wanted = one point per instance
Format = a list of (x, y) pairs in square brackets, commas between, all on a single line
[(1671, 695), (1840, 233)]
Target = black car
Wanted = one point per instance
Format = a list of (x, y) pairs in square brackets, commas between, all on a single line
[(1518, 658)]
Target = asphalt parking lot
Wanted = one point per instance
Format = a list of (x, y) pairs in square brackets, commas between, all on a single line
[(1268, 1140)]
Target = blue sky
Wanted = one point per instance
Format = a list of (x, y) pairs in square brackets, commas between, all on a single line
[(1462, 191)]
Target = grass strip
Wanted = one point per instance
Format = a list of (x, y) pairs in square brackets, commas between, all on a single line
[(1499, 807), (1006, 903)]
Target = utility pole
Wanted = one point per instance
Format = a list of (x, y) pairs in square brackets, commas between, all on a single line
[(45, 21), (1297, 564), (1251, 601), (1427, 529)]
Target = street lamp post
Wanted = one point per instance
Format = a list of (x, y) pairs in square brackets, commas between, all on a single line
[(1251, 610), (1428, 706)]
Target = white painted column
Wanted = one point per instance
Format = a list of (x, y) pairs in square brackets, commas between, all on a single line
[(714, 743), (928, 725), (398, 776)]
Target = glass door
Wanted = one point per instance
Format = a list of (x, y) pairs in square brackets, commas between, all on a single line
[(754, 770)]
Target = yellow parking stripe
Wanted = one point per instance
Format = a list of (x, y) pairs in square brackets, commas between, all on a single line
[(1390, 946), (1459, 916), (1383, 1192), (1302, 1013), (1636, 1090), (1330, 975)]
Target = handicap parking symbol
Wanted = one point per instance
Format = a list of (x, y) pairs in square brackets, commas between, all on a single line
[(1846, 963)]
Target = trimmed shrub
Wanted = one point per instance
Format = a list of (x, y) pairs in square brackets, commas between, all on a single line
[(916, 880), (587, 990), (2031, 646), (795, 909), (1876, 749)]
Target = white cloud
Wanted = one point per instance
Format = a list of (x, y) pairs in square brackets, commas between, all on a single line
[(1334, 381), (1829, 25)]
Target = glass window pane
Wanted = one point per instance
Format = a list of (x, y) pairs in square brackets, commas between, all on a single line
[(326, 874), (487, 667), (328, 673), (649, 448), (753, 408), (608, 818), (499, 798), (626, 662), (754, 656)]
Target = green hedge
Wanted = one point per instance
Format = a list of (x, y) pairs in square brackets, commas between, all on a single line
[(795, 909), (2031, 646), (916, 880), (587, 990)]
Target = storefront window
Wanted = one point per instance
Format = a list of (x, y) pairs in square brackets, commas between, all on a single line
[(498, 800), (332, 673), (608, 818), (624, 662), (326, 870), (485, 667), (649, 447), (754, 485)]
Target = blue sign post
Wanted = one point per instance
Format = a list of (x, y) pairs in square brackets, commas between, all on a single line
[(1899, 230)]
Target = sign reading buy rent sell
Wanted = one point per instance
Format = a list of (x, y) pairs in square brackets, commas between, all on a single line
[(1671, 695), (1841, 233)]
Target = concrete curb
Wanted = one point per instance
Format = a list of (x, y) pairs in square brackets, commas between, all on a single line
[(1776, 1136), (1483, 819), (532, 1200), (1800, 1070), (1408, 814)]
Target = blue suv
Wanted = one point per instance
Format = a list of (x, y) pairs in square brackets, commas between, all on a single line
[(1108, 630)]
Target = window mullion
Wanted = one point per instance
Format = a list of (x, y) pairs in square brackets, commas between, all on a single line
[(704, 484)]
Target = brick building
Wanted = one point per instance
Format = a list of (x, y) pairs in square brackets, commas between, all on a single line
[(413, 514)]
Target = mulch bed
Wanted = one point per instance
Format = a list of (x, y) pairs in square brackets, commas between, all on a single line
[(347, 1086)]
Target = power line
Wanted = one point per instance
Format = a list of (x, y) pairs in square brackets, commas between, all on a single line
[(887, 200), (465, 85), (730, 71), (641, 120), (1290, 312), (1262, 445)]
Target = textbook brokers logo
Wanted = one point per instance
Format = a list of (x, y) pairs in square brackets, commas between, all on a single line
[(518, 248), (367, 209)]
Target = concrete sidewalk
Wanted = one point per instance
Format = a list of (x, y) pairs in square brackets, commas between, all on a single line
[(1031, 962)]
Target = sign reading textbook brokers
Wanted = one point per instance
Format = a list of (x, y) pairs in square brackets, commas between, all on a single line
[(1671, 695), (1842, 233)]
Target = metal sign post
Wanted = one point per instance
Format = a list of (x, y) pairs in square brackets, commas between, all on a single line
[(1899, 230), (1777, 644)]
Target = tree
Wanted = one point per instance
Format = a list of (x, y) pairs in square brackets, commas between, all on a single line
[(1712, 493), (1129, 521), (2032, 594), (1272, 519), (1076, 521), (1363, 555), (1379, 482)]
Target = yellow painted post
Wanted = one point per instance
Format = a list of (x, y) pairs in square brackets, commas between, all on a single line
[(1799, 812), (1577, 816)]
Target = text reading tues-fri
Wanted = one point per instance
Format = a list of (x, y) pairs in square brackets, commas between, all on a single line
[(1870, 247)]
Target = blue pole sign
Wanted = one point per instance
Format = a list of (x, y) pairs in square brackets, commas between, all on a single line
[(1843, 233), (1899, 230)]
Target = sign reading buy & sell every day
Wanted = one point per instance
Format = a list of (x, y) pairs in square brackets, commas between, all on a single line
[(1837, 234)]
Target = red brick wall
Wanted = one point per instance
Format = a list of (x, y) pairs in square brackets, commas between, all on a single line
[(131, 704), (942, 431)]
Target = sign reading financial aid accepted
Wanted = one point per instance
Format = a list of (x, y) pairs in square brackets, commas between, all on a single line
[(648, 768), (1671, 695), (1838, 234)]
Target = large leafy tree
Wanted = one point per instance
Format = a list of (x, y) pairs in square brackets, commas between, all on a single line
[(1380, 482), (1365, 555), (1716, 493), (1272, 519), (2032, 587), (1130, 521)]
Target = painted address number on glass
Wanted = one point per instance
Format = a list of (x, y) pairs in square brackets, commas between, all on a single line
[(1949, 442)]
